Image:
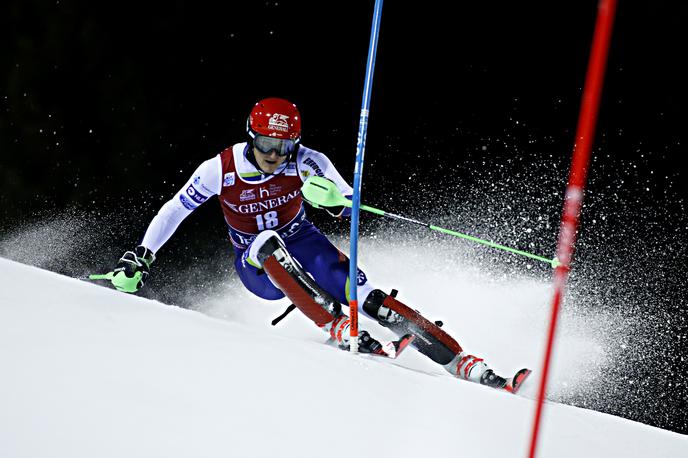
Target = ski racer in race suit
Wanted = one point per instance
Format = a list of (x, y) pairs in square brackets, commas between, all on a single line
[(278, 249)]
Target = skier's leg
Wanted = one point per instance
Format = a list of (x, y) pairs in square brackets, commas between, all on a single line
[(327, 264), (314, 252), (270, 253), (254, 279), (431, 340)]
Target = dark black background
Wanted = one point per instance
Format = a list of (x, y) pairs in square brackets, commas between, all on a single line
[(110, 107)]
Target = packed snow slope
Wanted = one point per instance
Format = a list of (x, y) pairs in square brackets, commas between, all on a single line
[(91, 372)]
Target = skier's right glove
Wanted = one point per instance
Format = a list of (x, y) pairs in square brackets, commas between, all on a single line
[(133, 269)]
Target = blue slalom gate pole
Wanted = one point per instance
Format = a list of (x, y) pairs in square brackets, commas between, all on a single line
[(358, 172)]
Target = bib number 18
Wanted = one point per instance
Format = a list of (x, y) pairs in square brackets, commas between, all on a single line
[(267, 221)]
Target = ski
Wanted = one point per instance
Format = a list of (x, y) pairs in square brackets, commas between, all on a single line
[(394, 348), (391, 349), (514, 383)]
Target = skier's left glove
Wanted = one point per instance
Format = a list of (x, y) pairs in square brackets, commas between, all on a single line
[(340, 211), (133, 269)]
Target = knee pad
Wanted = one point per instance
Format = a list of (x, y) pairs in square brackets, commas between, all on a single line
[(430, 340), (252, 254), (288, 275)]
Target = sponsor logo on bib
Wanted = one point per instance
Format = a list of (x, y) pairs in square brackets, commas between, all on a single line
[(247, 194)]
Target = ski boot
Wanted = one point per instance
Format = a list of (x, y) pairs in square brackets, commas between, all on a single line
[(339, 335), (435, 343), (474, 369)]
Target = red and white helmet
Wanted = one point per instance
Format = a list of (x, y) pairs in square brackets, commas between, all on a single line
[(275, 117)]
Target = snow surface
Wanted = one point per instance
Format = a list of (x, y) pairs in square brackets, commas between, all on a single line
[(91, 372)]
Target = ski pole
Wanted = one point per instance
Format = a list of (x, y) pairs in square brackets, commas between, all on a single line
[(321, 192), (107, 276), (120, 280)]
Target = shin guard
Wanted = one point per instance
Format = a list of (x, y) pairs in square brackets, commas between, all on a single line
[(286, 273), (430, 340)]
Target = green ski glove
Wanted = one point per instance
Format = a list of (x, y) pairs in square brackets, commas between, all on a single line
[(133, 269)]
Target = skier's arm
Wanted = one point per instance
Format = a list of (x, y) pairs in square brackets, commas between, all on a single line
[(133, 267), (204, 183), (317, 164)]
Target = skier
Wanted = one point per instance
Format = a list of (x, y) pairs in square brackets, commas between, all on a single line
[(280, 252)]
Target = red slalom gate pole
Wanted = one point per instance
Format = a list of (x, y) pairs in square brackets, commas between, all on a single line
[(573, 199)]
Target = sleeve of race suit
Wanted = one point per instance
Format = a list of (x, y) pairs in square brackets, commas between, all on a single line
[(314, 163), (204, 183)]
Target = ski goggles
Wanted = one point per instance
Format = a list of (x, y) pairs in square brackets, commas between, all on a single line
[(268, 144)]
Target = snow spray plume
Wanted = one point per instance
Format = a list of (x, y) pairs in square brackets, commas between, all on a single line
[(621, 326), (625, 312), (79, 241), (68, 242)]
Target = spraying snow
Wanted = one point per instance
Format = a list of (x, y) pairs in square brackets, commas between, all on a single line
[(620, 324)]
